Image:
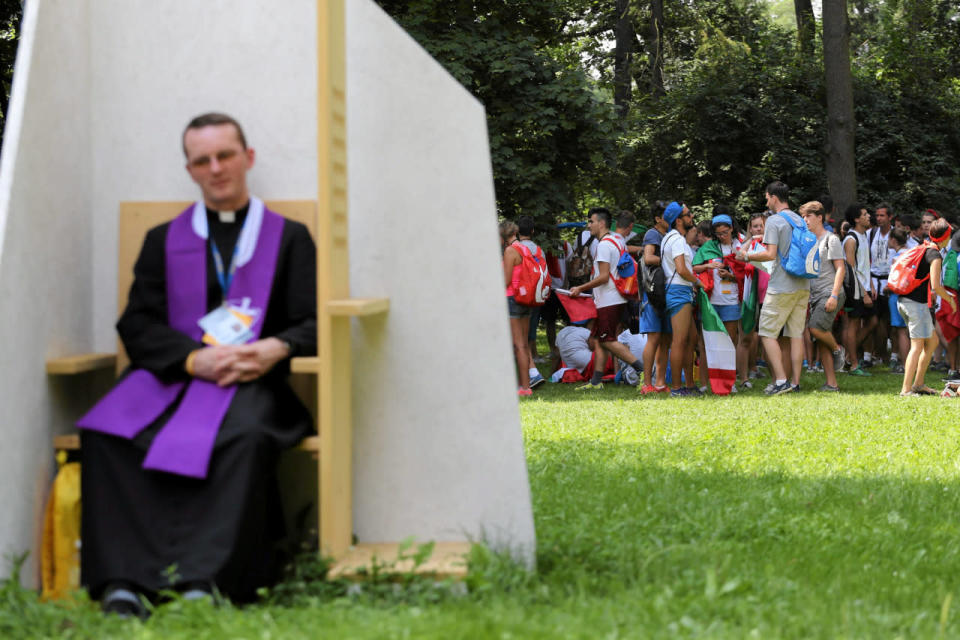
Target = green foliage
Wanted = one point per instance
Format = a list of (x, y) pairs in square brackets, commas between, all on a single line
[(728, 129), (742, 106), (548, 130), (908, 104)]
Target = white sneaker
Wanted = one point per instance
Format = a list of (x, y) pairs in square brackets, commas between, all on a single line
[(630, 376)]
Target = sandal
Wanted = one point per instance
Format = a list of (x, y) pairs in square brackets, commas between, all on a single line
[(924, 391), (909, 394)]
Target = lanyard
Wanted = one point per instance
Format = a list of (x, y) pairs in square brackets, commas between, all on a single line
[(224, 278)]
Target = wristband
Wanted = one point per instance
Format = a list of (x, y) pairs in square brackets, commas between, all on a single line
[(188, 363), (834, 297)]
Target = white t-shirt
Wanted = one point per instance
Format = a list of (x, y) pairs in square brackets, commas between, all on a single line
[(574, 348), (724, 292), (880, 252), (675, 245), (608, 250), (863, 258), (634, 342)]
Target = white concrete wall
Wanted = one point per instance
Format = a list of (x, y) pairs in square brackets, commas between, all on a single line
[(156, 64), (438, 451), (45, 255)]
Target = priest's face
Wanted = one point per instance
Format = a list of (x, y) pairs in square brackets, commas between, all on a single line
[(218, 162)]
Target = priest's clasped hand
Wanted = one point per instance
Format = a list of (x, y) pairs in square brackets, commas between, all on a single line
[(230, 364)]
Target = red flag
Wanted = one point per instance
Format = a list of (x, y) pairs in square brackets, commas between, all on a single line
[(739, 269), (579, 309), (949, 320)]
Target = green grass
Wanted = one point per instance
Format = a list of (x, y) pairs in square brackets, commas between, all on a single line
[(801, 516)]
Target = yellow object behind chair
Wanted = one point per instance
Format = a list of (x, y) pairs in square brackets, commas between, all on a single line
[(60, 550)]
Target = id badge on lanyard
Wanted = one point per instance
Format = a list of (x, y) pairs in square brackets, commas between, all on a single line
[(227, 324)]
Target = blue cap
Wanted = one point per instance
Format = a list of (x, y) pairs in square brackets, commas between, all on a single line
[(672, 212), (722, 219)]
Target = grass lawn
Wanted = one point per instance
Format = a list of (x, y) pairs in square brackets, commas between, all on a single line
[(808, 515)]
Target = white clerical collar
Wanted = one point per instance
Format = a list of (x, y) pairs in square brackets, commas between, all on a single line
[(247, 242)]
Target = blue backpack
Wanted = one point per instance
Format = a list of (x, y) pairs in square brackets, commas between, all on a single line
[(803, 258)]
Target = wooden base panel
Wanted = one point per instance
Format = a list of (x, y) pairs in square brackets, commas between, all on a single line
[(448, 560)]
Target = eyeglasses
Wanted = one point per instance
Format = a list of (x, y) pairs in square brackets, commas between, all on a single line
[(222, 156)]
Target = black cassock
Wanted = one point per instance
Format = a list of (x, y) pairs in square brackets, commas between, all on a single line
[(156, 529)]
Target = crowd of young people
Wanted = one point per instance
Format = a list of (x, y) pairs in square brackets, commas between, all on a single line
[(844, 320)]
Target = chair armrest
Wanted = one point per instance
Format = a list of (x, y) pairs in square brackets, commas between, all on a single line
[(81, 363)]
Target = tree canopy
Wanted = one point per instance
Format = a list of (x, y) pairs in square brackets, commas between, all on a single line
[(623, 102)]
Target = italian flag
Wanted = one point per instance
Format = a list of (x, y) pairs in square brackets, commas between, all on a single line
[(721, 354)]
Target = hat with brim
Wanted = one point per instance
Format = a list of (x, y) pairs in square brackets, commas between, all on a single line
[(672, 212)]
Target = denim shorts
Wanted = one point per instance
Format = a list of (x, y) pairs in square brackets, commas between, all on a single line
[(678, 295), (516, 309), (652, 320), (728, 312)]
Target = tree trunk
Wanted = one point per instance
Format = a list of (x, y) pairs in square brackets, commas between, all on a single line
[(623, 58), (806, 26), (655, 48), (841, 167)]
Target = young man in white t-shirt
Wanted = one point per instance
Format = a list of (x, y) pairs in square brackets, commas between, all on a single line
[(610, 304)]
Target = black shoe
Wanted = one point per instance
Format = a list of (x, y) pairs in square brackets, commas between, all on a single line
[(125, 602)]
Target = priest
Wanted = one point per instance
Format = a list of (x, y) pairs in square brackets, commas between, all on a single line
[(179, 459)]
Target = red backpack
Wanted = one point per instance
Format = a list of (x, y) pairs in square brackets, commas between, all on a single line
[(533, 287), (625, 273), (903, 273)]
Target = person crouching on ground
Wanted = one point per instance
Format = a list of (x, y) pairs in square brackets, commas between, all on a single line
[(913, 307)]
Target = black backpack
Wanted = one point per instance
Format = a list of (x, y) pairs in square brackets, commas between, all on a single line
[(654, 283), (580, 265)]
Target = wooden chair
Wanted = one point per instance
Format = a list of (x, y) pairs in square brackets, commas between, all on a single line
[(135, 219)]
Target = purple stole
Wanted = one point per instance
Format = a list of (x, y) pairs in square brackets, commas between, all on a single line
[(184, 444)]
